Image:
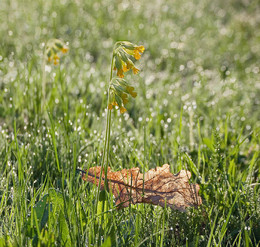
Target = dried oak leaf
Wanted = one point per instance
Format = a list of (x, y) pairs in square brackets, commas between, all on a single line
[(157, 186)]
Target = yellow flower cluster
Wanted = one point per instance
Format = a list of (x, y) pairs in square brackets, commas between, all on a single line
[(119, 93), (53, 48), (125, 55)]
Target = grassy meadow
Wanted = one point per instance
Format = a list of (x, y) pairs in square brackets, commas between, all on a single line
[(197, 108)]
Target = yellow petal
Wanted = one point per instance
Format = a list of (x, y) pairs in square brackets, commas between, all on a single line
[(129, 66), (125, 101), (133, 94), (64, 49), (137, 55), (135, 70), (120, 73), (125, 68), (114, 103), (140, 48), (122, 110), (129, 89), (56, 57)]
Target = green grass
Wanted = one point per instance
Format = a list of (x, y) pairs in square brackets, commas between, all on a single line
[(197, 108)]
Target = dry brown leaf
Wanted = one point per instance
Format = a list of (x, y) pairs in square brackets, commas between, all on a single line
[(157, 186)]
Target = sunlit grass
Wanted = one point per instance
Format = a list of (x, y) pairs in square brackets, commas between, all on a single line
[(197, 108)]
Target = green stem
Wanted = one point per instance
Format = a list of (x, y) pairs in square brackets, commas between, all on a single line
[(105, 158), (108, 127), (43, 80), (108, 146)]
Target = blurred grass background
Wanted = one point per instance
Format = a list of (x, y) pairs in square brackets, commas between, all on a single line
[(197, 108)]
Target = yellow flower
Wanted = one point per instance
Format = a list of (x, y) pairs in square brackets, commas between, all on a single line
[(137, 55), (124, 98), (137, 51), (130, 65), (134, 94), (64, 49), (125, 101), (135, 70), (130, 90), (120, 73), (125, 68), (53, 49), (140, 48), (124, 56), (56, 57), (122, 110)]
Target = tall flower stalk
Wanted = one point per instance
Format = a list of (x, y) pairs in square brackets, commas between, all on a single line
[(124, 57), (51, 55)]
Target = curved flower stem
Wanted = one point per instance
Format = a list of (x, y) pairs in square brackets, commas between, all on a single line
[(43, 81), (108, 126), (105, 158)]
